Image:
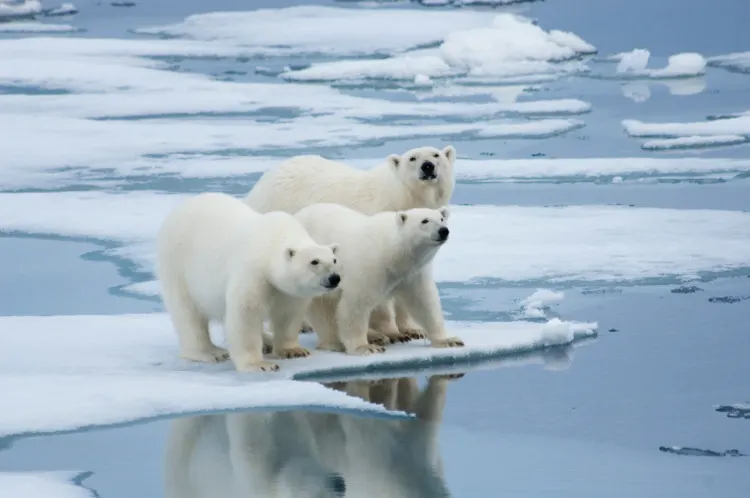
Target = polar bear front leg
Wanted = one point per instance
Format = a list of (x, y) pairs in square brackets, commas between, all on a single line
[(352, 322), (286, 319), (243, 326), (405, 324), (421, 298), (382, 326)]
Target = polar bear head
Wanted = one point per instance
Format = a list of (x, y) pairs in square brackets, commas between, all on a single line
[(307, 271), (425, 227), (424, 167)]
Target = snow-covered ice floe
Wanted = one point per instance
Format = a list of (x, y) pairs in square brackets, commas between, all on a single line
[(457, 42), (684, 65), (534, 305), (65, 9), (35, 27), (15, 9), (612, 244), (728, 131), (44, 485), (106, 369), (738, 62)]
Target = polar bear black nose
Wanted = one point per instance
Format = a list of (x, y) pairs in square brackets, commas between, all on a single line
[(337, 484), (443, 233), (428, 167), (334, 280)]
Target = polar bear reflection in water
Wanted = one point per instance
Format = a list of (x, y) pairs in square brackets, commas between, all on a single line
[(313, 454)]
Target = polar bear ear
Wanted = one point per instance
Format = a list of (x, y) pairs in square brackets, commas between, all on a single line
[(444, 212), (290, 253), (450, 153), (334, 248), (394, 161), (402, 216)]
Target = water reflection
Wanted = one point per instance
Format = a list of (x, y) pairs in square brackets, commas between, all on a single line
[(304, 454)]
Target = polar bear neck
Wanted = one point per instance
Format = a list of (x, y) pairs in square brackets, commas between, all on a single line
[(408, 258)]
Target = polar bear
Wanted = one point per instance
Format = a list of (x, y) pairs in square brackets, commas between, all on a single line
[(420, 177), (217, 259), (384, 255)]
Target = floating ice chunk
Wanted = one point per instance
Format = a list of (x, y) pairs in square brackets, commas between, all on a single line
[(533, 306), (739, 62), (422, 80), (35, 27), (99, 370), (736, 410), (692, 142), (678, 66), (508, 243), (43, 485), (405, 67), (66, 9), (731, 126), (318, 29), (25, 8), (512, 46)]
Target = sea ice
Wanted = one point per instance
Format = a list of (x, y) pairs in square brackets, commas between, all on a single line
[(533, 306), (718, 130), (515, 244), (739, 62), (35, 27), (682, 65), (42, 485), (694, 142), (107, 369), (66, 9), (327, 30), (24, 8)]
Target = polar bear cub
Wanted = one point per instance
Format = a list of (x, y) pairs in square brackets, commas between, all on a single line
[(219, 260), (419, 178), (382, 256)]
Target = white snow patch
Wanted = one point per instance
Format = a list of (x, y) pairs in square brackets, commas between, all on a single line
[(100, 370), (739, 61), (678, 66), (534, 305), (405, 67), (35, 27), (318, 29), (66, 9), (41, 485), (694, 142), (729, 131), (516, 244), (26, 8)]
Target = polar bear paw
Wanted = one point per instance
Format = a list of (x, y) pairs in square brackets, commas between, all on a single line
[(293, 352), (260, 366), (412, 333), (375, 337), (450, 342), (214, 354), (368, 349)]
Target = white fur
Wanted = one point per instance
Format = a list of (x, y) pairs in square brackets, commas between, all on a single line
[(307, 454), (395, 185), (383, 255), (219, 260)]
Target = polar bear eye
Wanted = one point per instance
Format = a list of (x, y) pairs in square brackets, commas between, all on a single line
[(413, 158), (425, 221), (334, 261), (314, 262), (436, 155)]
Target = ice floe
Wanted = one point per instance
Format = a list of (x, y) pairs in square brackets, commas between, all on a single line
[(323, 30), (36, 27), (738, 62), (43, 484), (633, 64), (510, 46), (729, 131), (534, 305), (101, 370), (66, 9), (507, 243), (25, 8), (691, 142)]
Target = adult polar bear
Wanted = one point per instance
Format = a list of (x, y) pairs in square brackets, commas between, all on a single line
[(385, 255), (419, 178), (217, 259)]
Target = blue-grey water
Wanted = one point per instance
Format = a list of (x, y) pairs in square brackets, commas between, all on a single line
[(587, 421)]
